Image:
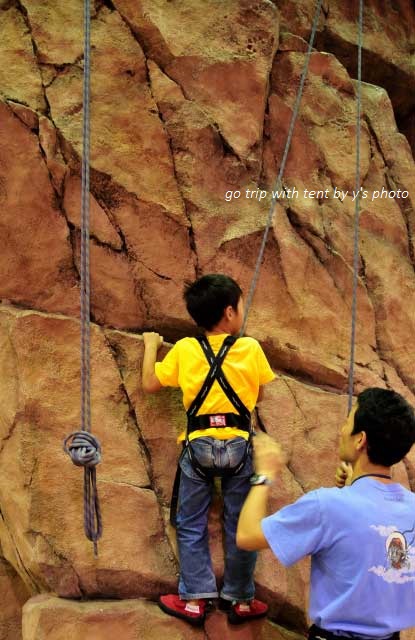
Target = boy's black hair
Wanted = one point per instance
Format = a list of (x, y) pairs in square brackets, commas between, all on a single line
[(389, 423), (207, 298)]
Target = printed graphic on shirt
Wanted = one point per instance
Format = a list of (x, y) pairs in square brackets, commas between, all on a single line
[(399, 554)]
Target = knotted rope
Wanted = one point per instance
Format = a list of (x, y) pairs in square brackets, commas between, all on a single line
[(85, 451), (83, 448)]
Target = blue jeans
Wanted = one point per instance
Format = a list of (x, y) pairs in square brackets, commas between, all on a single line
[(197, 579)]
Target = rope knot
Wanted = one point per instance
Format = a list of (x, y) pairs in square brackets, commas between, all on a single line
[(83, 448), (85, 451)]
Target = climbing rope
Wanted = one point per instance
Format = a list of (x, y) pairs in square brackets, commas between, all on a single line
[(278, 182), (356, 209), (83, 448), (278, 187)]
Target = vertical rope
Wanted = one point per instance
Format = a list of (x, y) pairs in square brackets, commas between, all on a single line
[(92, 515), (278, 182), (85, 284), (82, 446), (356, 210)]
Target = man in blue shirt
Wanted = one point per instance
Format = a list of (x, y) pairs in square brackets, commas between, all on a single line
[(360, 535)]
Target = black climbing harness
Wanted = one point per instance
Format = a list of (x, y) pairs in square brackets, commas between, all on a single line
[(194, 422), (241, 420)]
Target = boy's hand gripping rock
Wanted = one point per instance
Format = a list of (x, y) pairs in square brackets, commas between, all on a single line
[(152, 339)]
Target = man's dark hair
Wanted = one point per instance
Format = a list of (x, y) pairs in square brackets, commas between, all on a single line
[(389, 423), (207, 298)]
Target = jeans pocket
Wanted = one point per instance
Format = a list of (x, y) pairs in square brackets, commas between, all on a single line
[(235, 448), (202, 450)]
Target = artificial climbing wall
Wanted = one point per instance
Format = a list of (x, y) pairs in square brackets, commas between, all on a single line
[(191, 104)]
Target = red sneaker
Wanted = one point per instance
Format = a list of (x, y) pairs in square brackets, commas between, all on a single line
[(193, 613), (245, 611)]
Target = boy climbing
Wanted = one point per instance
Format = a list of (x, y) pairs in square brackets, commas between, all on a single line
[(220, 376)]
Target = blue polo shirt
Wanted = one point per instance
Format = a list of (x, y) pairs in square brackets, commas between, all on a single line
[(362, 544)]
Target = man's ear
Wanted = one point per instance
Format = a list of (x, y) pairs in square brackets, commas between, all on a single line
[(361, 440)]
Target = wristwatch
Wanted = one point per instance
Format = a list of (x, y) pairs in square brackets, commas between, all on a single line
[(256, 479)]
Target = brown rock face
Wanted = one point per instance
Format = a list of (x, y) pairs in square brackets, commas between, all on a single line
[(49, 617), (55, 619), (388, 43), (20, 77), (13, 596), (217, 64), (191, 104), (36, 258), (387, 60), (41, 522)]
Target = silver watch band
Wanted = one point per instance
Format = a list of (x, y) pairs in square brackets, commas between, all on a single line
[(258, 479)]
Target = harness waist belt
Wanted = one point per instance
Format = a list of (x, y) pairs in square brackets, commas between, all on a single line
[(217, 421)]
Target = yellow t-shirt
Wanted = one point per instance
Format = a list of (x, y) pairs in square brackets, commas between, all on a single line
[(245, 367)]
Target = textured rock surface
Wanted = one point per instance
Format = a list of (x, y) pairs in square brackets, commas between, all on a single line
[(55, 619), (388, 43), (13, 594), (41, 521), (190, 100)]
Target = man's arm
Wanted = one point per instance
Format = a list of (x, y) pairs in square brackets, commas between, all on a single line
[(249, 534), (268, 460), (152, 343)]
